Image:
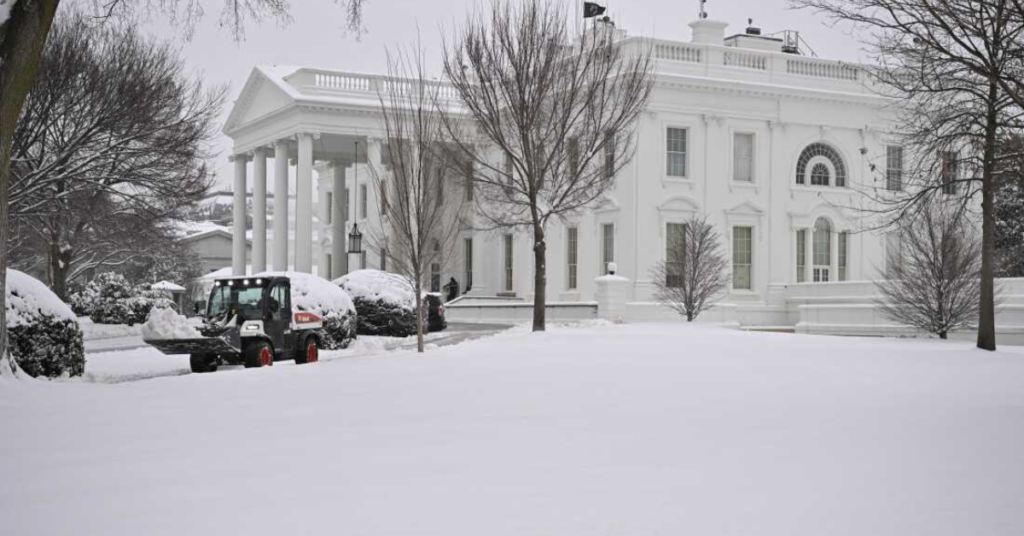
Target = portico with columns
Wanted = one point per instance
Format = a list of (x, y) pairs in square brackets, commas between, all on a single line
[(322, 153)]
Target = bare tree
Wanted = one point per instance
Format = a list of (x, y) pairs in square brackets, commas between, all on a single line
[(23, 34), (110, 149), (948, 64), (421, 222), (546, 117), (695, 271), (932, 279)]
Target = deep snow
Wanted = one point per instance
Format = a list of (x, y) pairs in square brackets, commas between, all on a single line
[(632, 430), (167, 324)]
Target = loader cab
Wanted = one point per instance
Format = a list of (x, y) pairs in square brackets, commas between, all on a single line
[(252, 308)]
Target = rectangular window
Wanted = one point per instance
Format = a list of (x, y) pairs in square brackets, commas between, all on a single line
[(743, 157), (362, 201), (675, 139), (435, 277), (362, 260), (330, 208), (894, 168), (675, 254), (344, 204), (821, 253), (467, 256), (328, 271), (508, 263), (844, 244), (383, 197), (607, 246), (742, 257), (572, 245), (384, 259), (574, 156), (949, 172), (468, 171), (801, 255), (609, 154)]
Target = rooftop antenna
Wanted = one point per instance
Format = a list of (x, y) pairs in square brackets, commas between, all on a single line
[(703, 13)]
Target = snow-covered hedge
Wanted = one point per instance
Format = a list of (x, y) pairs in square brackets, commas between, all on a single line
[(385, 302), (317, 295), (111, 299), (44, 335)]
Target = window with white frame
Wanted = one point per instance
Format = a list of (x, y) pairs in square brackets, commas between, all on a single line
[(362, 260), (362, 201), (801, 256), (572, 252), (949, 172), (821, 253), (609, 154), (675, 150), (742, 258), (508, 262), (607, 246), (820, 165), (344, 204), (894, 168), (844, 252), (675, 254), (743, 157), (329, 273), (330, 208)]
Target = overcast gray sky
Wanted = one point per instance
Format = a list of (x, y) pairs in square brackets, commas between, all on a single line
[(316, 36)]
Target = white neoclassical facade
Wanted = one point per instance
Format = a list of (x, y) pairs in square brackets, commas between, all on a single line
[(774, 147)]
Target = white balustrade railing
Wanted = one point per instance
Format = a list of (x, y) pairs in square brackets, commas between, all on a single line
[(822, 69), (745, 60), (677, 52)]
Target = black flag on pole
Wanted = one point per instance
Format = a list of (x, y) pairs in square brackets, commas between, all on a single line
[(591, 9)]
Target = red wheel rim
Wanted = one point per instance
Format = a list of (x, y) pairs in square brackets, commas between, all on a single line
[(265, 359), (311, 353)]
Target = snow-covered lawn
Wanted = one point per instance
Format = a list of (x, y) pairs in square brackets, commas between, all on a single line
[(92, 331), (604, 430)]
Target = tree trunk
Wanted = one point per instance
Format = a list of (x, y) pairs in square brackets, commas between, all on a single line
[(689, 316), (21, 47), (419, 316), (58, 270), (943, 335), (540, 279), (987, 312)]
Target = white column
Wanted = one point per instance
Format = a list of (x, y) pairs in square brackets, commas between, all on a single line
[(238, 216), (304, 206), (281, 206), (338, 246), (259, 211)]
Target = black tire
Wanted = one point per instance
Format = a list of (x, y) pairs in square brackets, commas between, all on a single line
[(258, 354), (201, 363), (308, 350)]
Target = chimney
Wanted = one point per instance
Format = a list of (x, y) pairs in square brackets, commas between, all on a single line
[(708, 32)]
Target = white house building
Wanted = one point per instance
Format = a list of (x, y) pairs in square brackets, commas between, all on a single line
[(775, 147)]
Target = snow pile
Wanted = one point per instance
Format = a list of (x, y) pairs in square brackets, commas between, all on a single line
[(45, 338), (378, 285), (317, 295), (165, 324)]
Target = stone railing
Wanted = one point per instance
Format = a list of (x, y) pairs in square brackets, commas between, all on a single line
[(318, 80), (823, 69), (746, 60)]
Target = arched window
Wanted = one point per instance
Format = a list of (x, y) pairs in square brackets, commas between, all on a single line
[(820, 175), (822, 250), (824, 165)]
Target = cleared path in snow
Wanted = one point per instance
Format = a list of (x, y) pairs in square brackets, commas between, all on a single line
[(634, 430)]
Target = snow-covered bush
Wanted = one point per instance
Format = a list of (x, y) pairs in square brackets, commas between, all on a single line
[(385, 302), (316, 295), (116, 301), (82, 297), (42, 331)]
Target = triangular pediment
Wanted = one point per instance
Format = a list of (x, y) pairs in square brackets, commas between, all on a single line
[(746, 207), (259, 98)]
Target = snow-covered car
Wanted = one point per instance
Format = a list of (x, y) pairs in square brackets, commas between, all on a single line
[(385, 302), (256, 320)]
